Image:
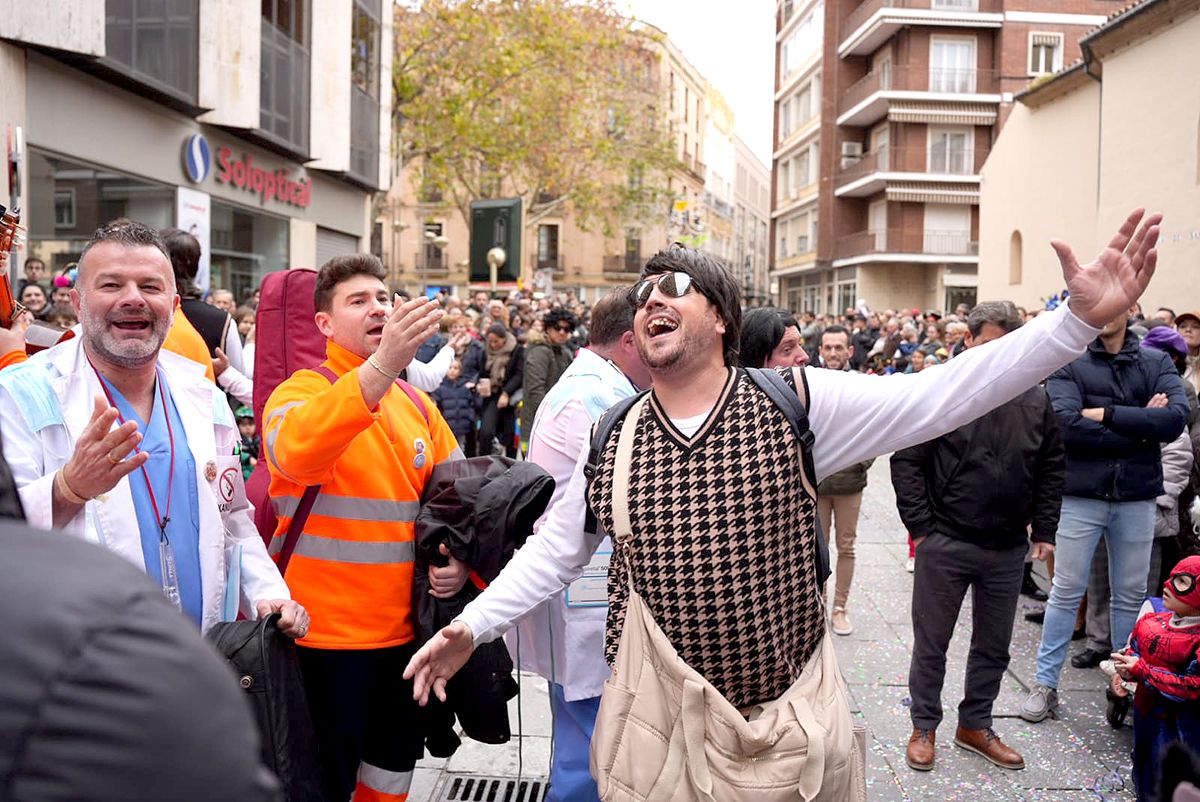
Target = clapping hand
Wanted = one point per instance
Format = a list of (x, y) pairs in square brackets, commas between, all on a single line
[(99, 460)]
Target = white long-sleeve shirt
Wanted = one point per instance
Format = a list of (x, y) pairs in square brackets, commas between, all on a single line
[(428, 376), (853, 417)]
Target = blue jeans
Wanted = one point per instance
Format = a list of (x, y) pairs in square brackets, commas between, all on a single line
[(1128, 531), (570, 773)]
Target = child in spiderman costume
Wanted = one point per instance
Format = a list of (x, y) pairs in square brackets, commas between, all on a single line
[(1163, 657)]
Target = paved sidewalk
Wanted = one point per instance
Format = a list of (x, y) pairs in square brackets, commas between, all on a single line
[(1072, 758)]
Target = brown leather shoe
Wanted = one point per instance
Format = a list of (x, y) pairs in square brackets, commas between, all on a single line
[(988, 743), (919, 754)]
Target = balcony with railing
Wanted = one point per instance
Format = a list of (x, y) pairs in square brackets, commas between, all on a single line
[(430, 261), (546, 261), (866, 100), (871, 173), (906, 241), (624, 264), (857, 40)]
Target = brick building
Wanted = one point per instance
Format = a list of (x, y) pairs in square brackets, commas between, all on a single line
[(877, 176)]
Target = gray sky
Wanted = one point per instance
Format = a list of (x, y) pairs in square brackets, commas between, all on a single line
[(732, 43)]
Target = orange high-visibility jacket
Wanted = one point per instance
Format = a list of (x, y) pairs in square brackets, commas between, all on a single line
[(353, 565)]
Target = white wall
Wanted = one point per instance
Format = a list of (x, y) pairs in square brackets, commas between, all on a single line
[(76, 26), (330, 96), (230, 62)]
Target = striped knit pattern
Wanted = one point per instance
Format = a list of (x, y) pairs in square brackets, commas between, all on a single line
[(724, 543)]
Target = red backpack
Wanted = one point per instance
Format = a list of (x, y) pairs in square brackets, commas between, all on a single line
[(287, 340)]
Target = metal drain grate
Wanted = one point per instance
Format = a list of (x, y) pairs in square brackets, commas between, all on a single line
[(482, 788)]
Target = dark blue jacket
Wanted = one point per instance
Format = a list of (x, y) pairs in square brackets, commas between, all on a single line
[(458, 404), (1120, 459), (472, 359)]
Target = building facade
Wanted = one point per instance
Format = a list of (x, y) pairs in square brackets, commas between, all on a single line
[(915, 92), (1117, 130), (426, 242), (262, 128), (752, 227)]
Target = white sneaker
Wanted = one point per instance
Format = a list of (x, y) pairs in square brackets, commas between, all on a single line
[(840, 622), (910, 564)]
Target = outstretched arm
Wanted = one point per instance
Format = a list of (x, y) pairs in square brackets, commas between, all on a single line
[(856, 417)]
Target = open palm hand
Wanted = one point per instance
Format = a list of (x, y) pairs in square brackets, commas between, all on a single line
[(1106, 287)]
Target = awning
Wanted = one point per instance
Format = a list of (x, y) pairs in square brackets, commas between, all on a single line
[(933, 192), (902, 111)]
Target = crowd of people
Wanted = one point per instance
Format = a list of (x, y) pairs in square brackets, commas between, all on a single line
[(708, 467)]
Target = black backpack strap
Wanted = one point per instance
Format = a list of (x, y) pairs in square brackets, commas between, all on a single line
[(787, 398), (601, 432)]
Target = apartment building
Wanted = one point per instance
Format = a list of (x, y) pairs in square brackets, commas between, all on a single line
[(720, 166), (426, 242), (915, 93), (752, 227), (261, 127)]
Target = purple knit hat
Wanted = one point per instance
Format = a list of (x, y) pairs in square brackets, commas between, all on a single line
[(1165, 338)]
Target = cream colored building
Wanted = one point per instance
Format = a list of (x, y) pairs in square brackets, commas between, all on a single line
[(1118, 130), (586, 261)]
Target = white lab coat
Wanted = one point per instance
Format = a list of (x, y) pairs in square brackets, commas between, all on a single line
[(44, 405)]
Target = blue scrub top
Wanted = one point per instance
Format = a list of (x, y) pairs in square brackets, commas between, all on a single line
[(183, 528)]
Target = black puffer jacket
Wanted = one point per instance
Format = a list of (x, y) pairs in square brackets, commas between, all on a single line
[(483, 509), (987, 481), (1120, 459), (106, 692)]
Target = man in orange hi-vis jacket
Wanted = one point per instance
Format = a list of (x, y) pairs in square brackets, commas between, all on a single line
[(348, 427)]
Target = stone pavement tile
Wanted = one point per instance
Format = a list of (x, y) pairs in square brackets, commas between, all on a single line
[(502, 759), (882, 780), (1056, 759), (880, 554), (872, 662), (535, 707), (425, 785), (868, 625), (895, 606), (1083, 713)]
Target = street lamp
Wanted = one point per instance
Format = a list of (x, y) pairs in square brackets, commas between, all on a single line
[(496, 258)]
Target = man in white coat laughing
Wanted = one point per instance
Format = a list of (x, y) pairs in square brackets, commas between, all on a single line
[(111, 439)]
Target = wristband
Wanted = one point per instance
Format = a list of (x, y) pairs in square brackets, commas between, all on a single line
[(65, 490), (1108, 416), (373, 362)]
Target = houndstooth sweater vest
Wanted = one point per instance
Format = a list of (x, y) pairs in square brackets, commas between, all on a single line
[(723, 549)]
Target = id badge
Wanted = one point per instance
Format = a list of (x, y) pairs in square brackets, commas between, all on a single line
[(228, 485), (591, 588)]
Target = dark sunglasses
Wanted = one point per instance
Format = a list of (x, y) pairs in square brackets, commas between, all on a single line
[(564, 327), (1182, 584), (674, 285)]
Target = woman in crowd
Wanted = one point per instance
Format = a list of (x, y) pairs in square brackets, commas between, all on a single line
[(771, 339), (33, 298), (504, 373)]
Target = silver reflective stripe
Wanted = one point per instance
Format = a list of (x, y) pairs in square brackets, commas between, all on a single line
[(454, 456), (384, 781), (362, 552), (269, 440), (350, 508)]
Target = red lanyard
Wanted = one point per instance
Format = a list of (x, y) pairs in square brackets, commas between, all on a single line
[(161, 520)]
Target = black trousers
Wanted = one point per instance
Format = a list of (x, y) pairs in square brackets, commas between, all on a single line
[(496, 422), (946, 568), (363, 713)]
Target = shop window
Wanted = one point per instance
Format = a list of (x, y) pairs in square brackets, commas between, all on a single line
[(285, 84), (69, 200), (246, 245), (155, 42), (364, 100)]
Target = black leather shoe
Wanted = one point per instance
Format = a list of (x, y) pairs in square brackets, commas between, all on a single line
[(1038, 618), (1088, 658)]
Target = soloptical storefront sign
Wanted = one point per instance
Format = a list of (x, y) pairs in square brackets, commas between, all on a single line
[(278, 185)]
